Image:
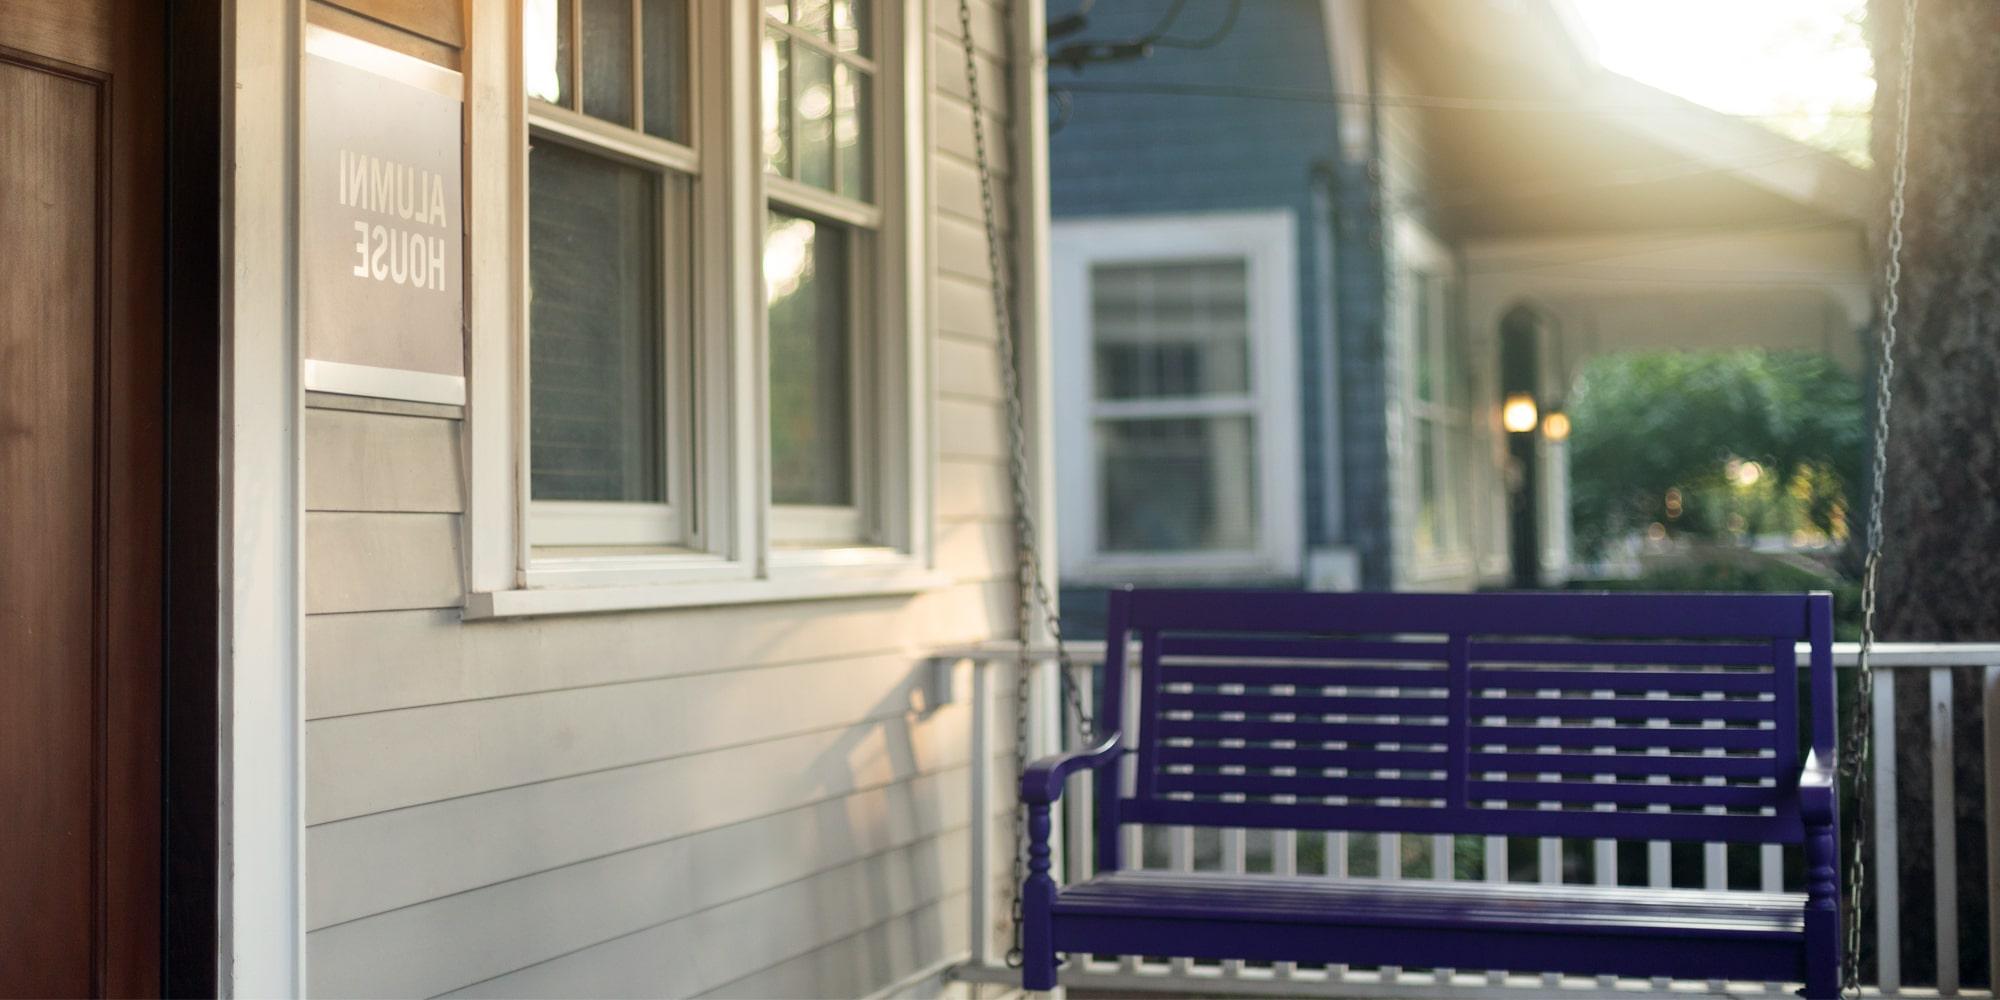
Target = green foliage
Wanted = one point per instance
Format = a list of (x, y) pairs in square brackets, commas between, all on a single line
[(1746, 573), (1647, 424)]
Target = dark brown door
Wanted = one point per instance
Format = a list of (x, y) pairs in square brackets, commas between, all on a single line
[(81, 104)]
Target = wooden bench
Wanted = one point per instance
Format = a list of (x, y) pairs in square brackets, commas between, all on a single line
[(1625, 716)]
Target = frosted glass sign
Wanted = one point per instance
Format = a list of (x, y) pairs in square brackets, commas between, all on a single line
[(381, 223)]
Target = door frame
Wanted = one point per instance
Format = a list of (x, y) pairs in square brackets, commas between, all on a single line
[(234, 810)]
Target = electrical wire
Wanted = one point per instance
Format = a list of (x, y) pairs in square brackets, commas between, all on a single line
[(1209, 40)]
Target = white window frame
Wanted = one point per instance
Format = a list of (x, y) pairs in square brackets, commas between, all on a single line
[(730, 556), (1267, 242), (1416, 249)]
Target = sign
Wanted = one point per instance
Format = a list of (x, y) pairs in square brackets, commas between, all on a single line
[(381, 222)]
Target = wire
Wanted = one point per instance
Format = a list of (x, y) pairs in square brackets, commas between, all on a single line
[(1207, 41)]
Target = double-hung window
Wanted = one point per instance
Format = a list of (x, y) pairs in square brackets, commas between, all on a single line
[(1176, 397), (820, 238), (1436, 389), (717, 238), (613, 171)]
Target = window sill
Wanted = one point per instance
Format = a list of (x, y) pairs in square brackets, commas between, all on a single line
[(644, 597)]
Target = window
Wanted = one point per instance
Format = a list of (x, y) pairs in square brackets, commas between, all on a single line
[(1437, 393), (818, 131), (609, 174), (709, 234), (1176, 397)]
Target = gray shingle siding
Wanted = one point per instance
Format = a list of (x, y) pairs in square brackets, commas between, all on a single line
[(1124, 151)]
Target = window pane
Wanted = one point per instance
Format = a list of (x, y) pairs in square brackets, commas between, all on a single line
[(545, 50), (850, 25), (778, 10), (1424, 343), (813, 147), (812, 424), (777, 104), (594, 351), (665, 25), (813, 16), (1180, 485), (1171, 329), (852, 106), (1427, 535), (607, 60)]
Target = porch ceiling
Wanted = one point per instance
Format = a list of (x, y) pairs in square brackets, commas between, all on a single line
[(1530, 138)]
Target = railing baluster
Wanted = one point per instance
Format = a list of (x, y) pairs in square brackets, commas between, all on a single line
[(1882, 826), (1944, 831), (1234, 858), (1180, 858), (981, 765), (1133, 835), (1494, 860), (1990, 700)]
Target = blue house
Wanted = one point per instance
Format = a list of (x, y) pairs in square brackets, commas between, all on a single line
[(1322, 272)]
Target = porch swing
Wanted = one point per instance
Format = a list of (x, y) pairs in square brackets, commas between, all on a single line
[(1633, 716)]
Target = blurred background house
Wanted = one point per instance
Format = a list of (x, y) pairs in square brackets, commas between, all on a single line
[(1326, 276)]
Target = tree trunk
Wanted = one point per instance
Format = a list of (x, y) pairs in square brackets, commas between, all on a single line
[(1941, 516), (1941, 512)]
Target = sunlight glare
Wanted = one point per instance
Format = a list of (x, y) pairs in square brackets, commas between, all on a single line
[(1802, 67)]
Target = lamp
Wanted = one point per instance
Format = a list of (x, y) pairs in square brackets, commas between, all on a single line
[(1518, 413), (1555, 425)]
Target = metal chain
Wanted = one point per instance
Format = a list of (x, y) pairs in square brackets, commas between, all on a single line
[(1855, 756), (1032, 588)]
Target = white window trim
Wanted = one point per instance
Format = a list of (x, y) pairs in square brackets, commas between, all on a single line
[(1416, 247), (1268, 242), (736, 561)]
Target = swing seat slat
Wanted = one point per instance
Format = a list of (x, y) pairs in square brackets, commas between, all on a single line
[(1668, 717)]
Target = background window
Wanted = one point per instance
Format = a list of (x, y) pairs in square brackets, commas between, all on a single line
[(1440, 416), (1174, 417)]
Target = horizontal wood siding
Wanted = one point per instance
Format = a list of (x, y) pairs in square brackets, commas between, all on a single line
[(745, 800)]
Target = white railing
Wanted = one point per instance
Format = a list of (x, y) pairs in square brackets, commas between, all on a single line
[(1935, 671)]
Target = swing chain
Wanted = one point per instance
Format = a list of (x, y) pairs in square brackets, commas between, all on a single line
[(1859, 748), (1031, 585)]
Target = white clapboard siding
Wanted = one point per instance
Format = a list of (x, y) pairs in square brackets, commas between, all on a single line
[(963, 311), (967, 550), (948, 70), (746, 800), (363, 764), (364, 461), (374, 863), (447, 943), (970, 489), (402, 659), (961, 249), (968, 370), (989, 24), (971, 430), (889, 952), (725, 943), (380, 562)]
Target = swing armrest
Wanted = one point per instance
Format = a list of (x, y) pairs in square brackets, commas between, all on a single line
[(1042, 781), (1817, 791)]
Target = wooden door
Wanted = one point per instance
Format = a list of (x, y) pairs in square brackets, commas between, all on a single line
[(81, 466)]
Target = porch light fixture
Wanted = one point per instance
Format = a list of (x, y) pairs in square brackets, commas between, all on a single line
[(1555, 425), (1518, 413)]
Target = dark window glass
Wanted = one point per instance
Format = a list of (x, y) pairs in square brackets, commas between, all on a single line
[(811, 359), (594, 345)]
